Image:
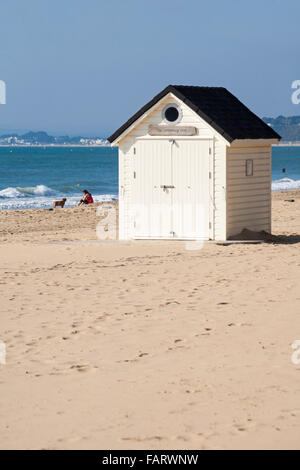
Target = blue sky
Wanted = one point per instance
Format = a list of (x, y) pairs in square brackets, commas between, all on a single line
[(85, 66)]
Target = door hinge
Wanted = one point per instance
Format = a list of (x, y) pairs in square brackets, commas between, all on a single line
[(210, 175), (134, 150), (210, 151), (134, 174), (210, 225)]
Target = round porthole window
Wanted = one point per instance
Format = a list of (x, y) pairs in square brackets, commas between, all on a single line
[(171, 113)]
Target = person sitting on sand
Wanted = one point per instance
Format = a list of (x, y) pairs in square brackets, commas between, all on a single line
[(87, 198)]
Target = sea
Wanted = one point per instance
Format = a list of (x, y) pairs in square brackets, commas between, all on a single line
[(32, 177)]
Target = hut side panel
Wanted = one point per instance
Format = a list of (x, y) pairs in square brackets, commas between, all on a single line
[(248, 197)]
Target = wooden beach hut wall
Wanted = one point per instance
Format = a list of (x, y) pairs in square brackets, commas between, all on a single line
[(194, 163)]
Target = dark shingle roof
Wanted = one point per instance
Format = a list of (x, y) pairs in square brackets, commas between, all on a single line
[(218, 107)]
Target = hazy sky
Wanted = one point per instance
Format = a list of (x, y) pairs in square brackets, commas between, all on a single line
[(85, 66)]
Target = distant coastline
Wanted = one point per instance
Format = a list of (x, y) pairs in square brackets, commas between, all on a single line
[(42, 139), (287, 144), (11, 146), (288, 128), (54, 145), (280, 144)]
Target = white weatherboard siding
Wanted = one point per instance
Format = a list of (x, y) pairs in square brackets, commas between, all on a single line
[(194, 183), (129, 145), (248, 197)]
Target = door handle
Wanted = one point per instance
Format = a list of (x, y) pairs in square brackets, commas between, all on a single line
[(164, 187)]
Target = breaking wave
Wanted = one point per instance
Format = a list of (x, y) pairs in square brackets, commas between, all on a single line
[(42, 197), (17, 192), (285, 184)]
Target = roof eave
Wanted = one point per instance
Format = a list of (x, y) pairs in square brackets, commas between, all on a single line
[(138, 114)]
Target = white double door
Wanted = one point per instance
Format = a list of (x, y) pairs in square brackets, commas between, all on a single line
[(171, 189)]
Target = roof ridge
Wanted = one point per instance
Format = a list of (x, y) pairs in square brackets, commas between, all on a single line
[(199, 86)]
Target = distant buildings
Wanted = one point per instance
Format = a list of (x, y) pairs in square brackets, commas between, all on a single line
[(11, 141), (87, 141)]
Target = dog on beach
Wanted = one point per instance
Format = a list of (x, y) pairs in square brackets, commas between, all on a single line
[(59, 203)]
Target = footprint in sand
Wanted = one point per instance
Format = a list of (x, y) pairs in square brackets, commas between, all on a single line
[(83, 368), (143, 354), (142, 439), (239, 427)]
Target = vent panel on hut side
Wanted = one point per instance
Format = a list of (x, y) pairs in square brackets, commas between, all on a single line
[(248, 197)]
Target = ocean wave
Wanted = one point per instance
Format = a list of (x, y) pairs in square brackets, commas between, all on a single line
[(285, 184), (105, 197), (18, 192), (38, 202)]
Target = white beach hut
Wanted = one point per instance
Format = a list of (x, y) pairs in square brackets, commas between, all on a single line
[(194, 163)]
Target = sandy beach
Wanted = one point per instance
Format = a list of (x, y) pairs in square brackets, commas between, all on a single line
[(138, 345)]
